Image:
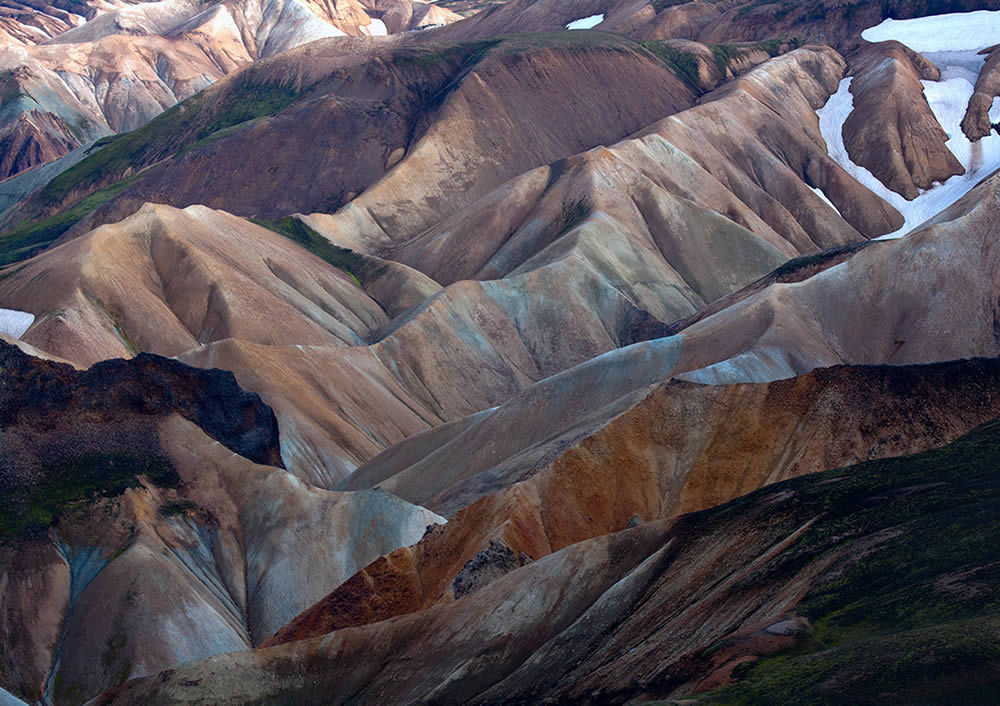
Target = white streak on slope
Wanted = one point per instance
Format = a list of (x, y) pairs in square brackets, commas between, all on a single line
[(15, 323), (586, 22)]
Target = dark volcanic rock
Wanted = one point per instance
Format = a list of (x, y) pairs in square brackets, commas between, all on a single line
[(43, 394)]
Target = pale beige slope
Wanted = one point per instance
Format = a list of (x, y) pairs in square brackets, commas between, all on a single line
[(167, 280), (132, 588), (221, 292), (338, 407), (926, 297)]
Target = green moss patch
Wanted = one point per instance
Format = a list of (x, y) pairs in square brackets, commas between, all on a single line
[(916, 614), (298, 232), (28, 239), (33, 508)]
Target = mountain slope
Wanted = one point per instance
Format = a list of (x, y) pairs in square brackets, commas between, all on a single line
[(787, 570), (134, 535)]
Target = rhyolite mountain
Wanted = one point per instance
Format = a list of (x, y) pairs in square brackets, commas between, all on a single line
[(381, 351)]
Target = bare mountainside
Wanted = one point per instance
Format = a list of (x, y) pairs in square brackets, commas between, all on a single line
[(591, 351), (71, 76)]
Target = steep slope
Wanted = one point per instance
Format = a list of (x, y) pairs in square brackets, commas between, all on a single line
[(167, 545), (114, 67), (403, 109), (977, 124), (582, 455), (930, 296), (746, 201), (167, 281), (585, 269), (892, 131), (750, 164), (951, 41), (830, 573)]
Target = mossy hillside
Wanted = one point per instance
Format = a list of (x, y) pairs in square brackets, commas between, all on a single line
[(724, 54), (31, 509), (295, 230), (683, 63), (805, 261), (185, 123), (30, 238), (916, 614)]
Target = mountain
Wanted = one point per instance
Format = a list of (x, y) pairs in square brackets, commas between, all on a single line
[(776, 587), (169, 523), (601, 351), (69, 76)]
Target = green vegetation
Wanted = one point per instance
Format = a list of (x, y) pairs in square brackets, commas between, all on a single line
[(682, 63), (177, 507), (248, 101), (917, 614), (725, 53), (660, 5), (297, 231), (804, 261), (182, 125), (114, 163), (32, 508), (26, 240), (430, 57)]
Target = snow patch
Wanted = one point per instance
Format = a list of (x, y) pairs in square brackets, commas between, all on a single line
[(948, 99), (958, 31), (819, 192), (15, 323), (8, 699), (376, 28), (586, 22)]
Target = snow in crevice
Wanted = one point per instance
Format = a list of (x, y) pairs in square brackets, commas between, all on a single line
[(952, 42), (376, 28), (586, 22), (819, 192), (15, 323)]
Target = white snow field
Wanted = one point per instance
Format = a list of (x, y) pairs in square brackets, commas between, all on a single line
[(952, 42), (586, 22), (15, 323), (959, 31)]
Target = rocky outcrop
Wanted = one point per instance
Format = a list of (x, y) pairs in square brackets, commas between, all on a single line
[(892, 131), (149, 385), (134, 535), (977, 124)]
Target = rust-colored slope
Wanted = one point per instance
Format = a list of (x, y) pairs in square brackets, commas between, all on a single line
[(837, 574), (530, 478)]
